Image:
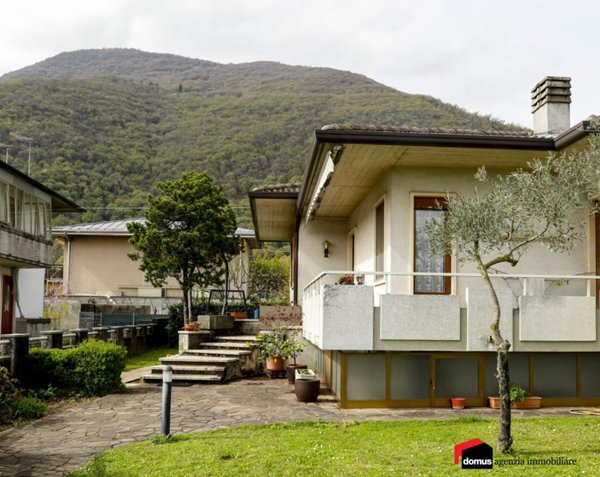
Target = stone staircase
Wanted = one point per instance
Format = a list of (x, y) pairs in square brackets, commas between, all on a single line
[(218, 361)]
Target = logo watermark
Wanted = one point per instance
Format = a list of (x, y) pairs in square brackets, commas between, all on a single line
[(476, 454)]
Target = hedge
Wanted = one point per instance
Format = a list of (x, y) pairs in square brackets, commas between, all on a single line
[(93, 368)]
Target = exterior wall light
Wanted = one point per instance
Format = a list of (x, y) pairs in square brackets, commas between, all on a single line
[(326, 245)]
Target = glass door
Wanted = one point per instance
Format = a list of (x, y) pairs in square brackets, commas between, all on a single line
[(457, 375)]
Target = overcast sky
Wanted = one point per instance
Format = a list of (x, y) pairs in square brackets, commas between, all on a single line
[(482, 55)]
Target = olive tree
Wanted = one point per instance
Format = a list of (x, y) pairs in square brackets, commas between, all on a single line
[(188, 234), (546, 204)]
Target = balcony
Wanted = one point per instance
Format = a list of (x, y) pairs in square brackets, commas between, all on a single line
[(372, 318), (22, 249)]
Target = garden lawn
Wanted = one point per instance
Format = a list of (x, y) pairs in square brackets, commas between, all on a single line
[(403, 448), (149, 358)]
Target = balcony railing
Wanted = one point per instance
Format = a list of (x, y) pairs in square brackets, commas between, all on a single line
[(358, 318)]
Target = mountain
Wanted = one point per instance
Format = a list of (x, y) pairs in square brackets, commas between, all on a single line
[(107, 124)]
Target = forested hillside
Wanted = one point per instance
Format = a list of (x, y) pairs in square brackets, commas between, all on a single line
[(107, 124)]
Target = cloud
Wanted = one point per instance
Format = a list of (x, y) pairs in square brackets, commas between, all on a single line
[(483, 56)]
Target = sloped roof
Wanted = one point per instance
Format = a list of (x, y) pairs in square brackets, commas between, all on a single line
[(59, 202), (119, 227), (414, 130)]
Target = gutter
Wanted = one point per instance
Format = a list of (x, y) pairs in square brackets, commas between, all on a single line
[(437, 140)]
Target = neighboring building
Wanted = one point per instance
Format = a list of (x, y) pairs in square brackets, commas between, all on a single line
[(407, 341), (96, 265), (26, 208)]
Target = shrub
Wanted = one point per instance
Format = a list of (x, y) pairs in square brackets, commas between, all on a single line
[(98, 367), (29, 408), (9, 394), (51, 367), (93, 367)]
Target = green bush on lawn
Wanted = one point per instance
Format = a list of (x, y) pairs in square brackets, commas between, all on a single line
[(29, 408), (92, 368)]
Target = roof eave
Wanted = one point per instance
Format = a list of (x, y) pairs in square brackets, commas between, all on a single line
[(359, 136), (59, 202)]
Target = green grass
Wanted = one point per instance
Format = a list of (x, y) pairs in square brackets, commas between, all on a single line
[(149, 358), (415, 448)]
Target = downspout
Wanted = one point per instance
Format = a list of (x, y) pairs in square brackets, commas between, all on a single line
[(296, 243), (67, 267)]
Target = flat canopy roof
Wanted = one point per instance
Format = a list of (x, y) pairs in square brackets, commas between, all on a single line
[(274, 212)]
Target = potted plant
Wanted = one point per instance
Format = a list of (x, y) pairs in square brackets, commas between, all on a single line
[(346, 280), (519, 399), (295, 348), (274, 348), (238, 311), (306, 385), (458, 402)]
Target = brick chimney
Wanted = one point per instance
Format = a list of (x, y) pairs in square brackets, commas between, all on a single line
[(550, 100)]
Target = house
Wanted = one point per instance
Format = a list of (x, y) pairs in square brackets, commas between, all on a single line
[(408, 340), (26, 208), (97, 266)]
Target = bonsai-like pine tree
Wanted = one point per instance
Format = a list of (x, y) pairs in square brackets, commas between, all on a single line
[(188, 234), (548, 204)]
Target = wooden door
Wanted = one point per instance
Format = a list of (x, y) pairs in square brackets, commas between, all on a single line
[(7, 304)]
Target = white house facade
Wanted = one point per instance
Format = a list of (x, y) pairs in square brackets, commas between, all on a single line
[(414, 330), (26, 208)]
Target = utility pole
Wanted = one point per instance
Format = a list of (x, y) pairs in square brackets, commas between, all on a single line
[(29, 140), (7, 148)]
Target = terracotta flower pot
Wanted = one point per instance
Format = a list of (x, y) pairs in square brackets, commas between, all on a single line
[(190, 327), (458, 402), (307, 390), (239, 315), (276, 363), (530, 402)]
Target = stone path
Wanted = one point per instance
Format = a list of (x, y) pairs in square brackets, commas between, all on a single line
[(64, 441)]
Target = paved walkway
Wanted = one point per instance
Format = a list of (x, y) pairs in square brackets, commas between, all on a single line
[(64, 441)]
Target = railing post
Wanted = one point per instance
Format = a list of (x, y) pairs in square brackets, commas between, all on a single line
[(81, 334), (19, 349), (55, 338), (102, 332)]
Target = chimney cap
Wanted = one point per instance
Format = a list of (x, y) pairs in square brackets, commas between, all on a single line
[(552, 89)]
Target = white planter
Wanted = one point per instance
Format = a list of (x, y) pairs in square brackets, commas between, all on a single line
[(307, 374)]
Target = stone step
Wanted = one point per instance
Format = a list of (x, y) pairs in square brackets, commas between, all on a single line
[(228, 345), (191, 369), (243, 338), (197, 378), (217, 352), (191, 360)]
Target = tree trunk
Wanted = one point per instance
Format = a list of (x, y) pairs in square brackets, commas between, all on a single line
[(226, 298), (502, 373), (187, 302)]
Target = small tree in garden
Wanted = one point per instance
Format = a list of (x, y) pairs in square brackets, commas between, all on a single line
[(188, 234), (548, 204), (269, 277)]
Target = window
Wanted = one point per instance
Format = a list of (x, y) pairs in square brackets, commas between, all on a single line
[(379, 239), (24, 211), (427, 209)]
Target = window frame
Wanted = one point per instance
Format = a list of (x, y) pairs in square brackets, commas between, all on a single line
[(429, 202)]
